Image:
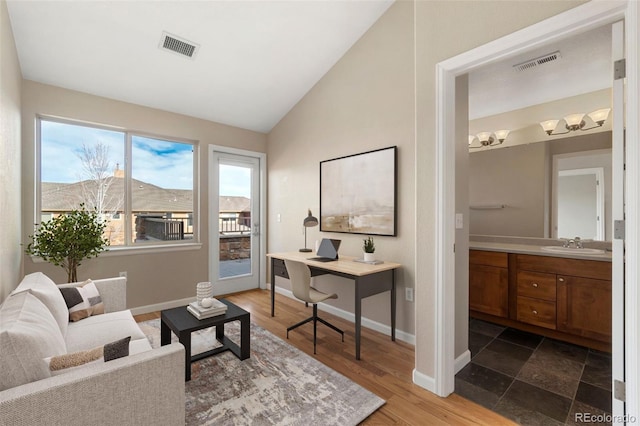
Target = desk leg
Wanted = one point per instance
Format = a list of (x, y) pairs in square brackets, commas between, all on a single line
[(358, 316), (393, 305), (273, 289)]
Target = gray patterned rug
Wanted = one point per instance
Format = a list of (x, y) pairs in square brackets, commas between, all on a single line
[(278, 385)]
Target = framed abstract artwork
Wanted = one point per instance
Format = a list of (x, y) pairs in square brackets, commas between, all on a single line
[(358, 193)]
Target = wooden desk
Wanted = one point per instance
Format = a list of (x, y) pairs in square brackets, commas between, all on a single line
[(369, 280)]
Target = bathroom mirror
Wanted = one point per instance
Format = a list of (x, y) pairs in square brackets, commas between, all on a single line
[(549, 189)]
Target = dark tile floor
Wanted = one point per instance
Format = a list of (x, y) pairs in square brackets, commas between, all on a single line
[(534, 380)]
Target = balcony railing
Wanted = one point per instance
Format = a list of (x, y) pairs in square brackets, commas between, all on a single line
[(234, 226), (158, 227)]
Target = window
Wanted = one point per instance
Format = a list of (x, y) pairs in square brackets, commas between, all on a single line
[(149, 199)]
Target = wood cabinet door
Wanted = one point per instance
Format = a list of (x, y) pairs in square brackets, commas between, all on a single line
[(584, 307), (489, 290)]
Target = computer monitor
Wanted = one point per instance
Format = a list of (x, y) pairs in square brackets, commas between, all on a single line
[(328, 249)]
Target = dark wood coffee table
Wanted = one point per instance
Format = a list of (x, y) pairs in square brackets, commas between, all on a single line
[(182, 323)]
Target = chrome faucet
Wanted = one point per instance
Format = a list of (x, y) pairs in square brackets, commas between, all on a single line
[(573, 243)]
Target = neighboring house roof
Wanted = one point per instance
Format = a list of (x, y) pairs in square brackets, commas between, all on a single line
[(145, 197), (231, 204)]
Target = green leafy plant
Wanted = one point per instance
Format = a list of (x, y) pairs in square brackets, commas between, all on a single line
[(369, 246), (68, 239)]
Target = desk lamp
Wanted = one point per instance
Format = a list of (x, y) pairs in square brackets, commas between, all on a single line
[(308, 222)]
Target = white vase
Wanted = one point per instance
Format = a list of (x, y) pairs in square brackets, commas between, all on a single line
[(369, 257), (203, 290)]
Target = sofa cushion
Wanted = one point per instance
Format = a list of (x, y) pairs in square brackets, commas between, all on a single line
[(83, 301), (47, 291), (102, 329), (28, 333)]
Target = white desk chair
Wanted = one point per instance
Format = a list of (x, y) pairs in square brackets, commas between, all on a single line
[(300, 277)]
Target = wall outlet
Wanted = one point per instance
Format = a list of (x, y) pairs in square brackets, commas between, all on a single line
[(408, 294), (279, 218), (123, 274)]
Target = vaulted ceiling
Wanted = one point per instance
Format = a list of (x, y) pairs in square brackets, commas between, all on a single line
[(254, 61)]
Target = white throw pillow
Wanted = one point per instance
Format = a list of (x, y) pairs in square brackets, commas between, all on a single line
[(28, 333), (83, 301), (48, 293)]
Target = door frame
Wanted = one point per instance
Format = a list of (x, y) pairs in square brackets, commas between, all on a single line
[(578, 19), (598, 172), (262, 214)]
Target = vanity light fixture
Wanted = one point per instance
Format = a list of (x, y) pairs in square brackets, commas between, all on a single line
[(574, 122), (488, 139)]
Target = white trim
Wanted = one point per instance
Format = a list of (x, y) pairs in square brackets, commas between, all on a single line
[(579, 19), (598, 173), (350, 316), (632, 199), (424, 381), (262, 158), (161, 306), (462, 361)]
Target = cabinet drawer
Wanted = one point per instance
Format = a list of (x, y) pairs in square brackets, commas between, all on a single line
[(537, 312), (537, 285), (279, 269), (489, 258)]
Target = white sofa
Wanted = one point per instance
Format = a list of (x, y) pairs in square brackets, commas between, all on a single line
[(145, 387)]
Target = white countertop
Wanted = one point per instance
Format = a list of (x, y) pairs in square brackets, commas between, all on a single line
[(535, 250)]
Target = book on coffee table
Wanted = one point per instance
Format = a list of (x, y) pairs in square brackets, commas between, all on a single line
[(218, 308)]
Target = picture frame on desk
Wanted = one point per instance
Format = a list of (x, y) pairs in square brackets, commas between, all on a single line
[(358, 193)]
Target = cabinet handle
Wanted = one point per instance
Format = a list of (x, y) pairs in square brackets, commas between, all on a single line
[(535, 285), (561, 279), (535, 312)]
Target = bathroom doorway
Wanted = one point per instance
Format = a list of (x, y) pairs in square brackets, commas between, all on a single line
[(590, 16)]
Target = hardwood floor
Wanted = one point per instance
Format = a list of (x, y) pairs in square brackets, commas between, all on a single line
[(385, 367)]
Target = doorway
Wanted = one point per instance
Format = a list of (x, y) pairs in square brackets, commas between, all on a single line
[(590, 16), (235, 220)]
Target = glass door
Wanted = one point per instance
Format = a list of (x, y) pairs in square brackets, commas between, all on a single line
[(235, 221)]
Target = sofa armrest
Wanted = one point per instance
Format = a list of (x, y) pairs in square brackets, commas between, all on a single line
[(145, 388), (113, 292)]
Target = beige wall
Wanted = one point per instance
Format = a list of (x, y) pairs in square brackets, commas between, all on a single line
[(10, 165), (155, 277), (445, 29), (365, 102)]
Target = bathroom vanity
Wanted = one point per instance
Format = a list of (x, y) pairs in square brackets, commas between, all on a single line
[(562, 295)]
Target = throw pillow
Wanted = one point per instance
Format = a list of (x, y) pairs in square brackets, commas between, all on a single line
[(83, 301), (114, 350)]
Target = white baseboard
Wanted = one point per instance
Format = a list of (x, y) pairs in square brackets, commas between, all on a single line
[(424, 381), (161, 306), (461, 361), (349, 316)]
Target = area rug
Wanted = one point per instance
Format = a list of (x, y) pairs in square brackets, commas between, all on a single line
[(278, 385)]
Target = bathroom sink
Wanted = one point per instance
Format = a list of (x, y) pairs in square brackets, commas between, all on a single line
[(559, 249)]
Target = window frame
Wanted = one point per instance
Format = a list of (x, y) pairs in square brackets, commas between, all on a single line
[(152, 246)]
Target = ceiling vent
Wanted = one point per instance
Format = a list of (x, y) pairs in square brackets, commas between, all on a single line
[(533, 63), (178, 45)]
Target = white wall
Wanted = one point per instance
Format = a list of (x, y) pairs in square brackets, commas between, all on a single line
[(10, 164)]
